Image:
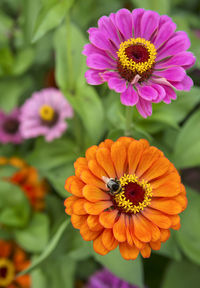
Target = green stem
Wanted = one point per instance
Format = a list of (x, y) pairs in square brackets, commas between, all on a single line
[(129, 115), (69, 52)]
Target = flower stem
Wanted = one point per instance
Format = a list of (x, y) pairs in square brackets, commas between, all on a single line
[(129, 114), (69, 52)]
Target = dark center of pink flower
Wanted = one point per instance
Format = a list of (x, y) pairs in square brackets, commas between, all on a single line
[(138, 53), (134, 193), (3, 272), (52, 122), (11, 125)]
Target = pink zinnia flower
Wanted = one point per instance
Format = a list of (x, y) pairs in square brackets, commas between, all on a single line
[(141, 57), (44, 114), (9, 127)]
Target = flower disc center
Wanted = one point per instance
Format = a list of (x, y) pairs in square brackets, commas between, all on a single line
[(138, 53), (11, 125), (134, 193), (7, 272), (48, 115)]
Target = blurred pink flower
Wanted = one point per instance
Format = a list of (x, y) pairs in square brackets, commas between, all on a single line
[(9, 127), (44, 114), (141, 57)]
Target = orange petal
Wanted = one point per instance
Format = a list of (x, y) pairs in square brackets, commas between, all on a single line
[(78, 220), (106, 144), (88, 234), (164, 235), (182, 200), (157, 217), (171, 177), (78, 207), (149, 156), (154, 230), (175, 219), (69, 204), (76, 187), (176, 227), (105, 160), (128, 231), (80, 165), (155, 245), (158, 168), (128, 252), (146, 251), (170, 189), (109, 240), (183, 191), (168, 206), (24, 281), (93, 223), (125, 141), (68, 182), (119, 229), (5, 250), (96, 169), (97, 207), (118, 154), (141, 229), (137, 242), (99, 247), (108, 218), (135, 151), (94, 194), (89, 178), (91, 152), (3, 160)]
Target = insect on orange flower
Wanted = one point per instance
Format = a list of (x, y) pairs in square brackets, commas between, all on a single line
[(125, 193), (12, 261)]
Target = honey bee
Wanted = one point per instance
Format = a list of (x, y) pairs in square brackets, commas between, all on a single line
[(113, 185)]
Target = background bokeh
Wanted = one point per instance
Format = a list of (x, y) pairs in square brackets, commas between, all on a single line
[(40, 46)]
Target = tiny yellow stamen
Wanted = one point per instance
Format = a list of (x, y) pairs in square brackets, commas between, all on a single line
[(8, 266), (47, 113), (124, 203), (139, 67)]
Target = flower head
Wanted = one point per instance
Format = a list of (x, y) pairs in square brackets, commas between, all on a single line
[(104, 279), (10, 127), (12, 261), (44, 114), (125, 193), (28, 180), (141, 57)]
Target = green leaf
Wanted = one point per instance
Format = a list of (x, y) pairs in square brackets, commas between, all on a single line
[(47, 156), (130, 271), (181, 275), (188, 236), (23, 61), (50, 17), (7, 171), (160, 6), (187, 145), (49, 248), (35, 236), (14, 206)]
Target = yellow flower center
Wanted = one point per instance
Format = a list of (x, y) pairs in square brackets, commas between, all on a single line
[(135, 195), (136, 55), (47, 113), (7, 272)]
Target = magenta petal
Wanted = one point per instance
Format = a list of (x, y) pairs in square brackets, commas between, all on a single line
[(98, 39), (97, 61), (137, 16), (164, 33), (106, 26), (129, 97), (185, 84), (161, 93), (149, 23), (172, 74), (124, 23), (144, 108), (147, 92), (178, 43), (170, 94), (93, 77)]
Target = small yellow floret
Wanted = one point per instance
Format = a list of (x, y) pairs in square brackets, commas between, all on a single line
[(140, 67), (47, 113), (125, 203), (10, 272)]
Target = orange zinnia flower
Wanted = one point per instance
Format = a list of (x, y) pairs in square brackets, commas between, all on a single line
[(12, 261), (125, 193), (28, 179)]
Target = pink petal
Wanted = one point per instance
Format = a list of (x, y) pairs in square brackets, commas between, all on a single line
[(164, 33), (137, 16), (91, 49), (147, 92), (184, 85), (117, 84), (124, 23), (99, 40), (144, 108), (106, 25), (170, 94), (93, 77), (97, 61), (149, 23), (172, 74), (178, 43), (161, 93), (184, 59), (129, 97)]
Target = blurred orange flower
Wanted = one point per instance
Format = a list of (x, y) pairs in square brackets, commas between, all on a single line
[(28, 179), (12, 261), (125, 193)]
